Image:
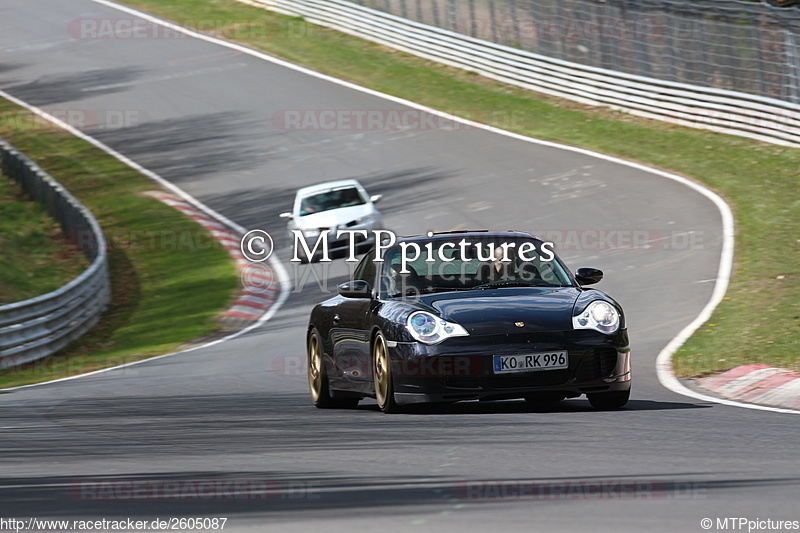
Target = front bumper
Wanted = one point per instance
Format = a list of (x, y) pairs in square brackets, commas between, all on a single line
[(340, 247), (462, 369)]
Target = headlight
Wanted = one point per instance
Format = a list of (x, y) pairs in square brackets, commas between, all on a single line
[(598, 315), (430, 329), (311, 233)]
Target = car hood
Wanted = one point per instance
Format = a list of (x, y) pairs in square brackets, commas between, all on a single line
[(334, 217), (498, 311)]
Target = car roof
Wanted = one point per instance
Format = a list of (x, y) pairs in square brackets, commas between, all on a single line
[(327, 186)]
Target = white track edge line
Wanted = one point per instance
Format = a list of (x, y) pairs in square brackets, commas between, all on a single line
[(285, 284), (663, 360)]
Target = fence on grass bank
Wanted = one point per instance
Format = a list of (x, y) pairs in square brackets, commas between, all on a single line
[(721, 65)]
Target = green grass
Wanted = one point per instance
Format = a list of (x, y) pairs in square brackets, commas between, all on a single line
[(163, 294), (35, 258), (759, 321)]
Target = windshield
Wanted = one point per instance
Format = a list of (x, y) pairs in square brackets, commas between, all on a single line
[(335, 199), (478, 263)]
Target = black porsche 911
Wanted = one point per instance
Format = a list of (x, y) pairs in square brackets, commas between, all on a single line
[(464, 316)]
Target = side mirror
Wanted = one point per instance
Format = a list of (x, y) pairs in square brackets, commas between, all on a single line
[(588, 276), (355, 289), (286, 216), (375, 198)]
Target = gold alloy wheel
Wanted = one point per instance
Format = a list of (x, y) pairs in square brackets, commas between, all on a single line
[(314, 368), (381, 371)]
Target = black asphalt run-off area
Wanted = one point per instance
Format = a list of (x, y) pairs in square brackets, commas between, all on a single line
[(238, 415)]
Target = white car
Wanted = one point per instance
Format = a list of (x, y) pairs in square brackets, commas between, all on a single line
[(334, 205)]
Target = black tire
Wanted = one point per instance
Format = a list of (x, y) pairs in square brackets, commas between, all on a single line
[(382, 376), (318, 378), (606, 401)]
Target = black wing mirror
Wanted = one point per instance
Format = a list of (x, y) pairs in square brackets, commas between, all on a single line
[(355, 289), (588, 276)]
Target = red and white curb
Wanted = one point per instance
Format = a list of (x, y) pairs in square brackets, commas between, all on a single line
[(281, 277), (260, 287), (759, 384)]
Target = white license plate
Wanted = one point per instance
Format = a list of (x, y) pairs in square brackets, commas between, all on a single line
[(531, 362)]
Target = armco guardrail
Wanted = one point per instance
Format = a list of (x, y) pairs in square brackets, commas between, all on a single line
[(38, 327), (748, 47), (757, 117)]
